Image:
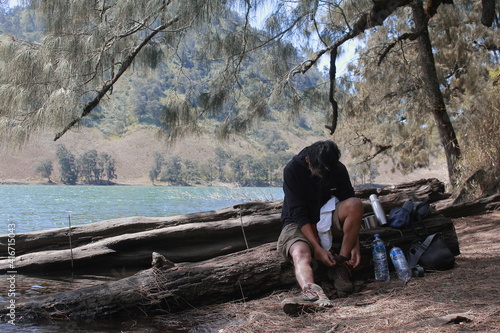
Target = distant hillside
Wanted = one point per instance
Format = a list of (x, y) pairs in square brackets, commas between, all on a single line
[(134, 152)]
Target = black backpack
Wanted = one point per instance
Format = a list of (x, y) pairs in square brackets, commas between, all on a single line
[(432, 253)]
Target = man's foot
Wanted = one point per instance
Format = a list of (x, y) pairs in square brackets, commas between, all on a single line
[(315, 293), (295, 306), (340, 260), (341, 278), (312, 299)]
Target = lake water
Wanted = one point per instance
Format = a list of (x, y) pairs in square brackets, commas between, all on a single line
[(40, 207)]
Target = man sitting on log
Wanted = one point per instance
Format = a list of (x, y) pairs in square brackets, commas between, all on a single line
[(313, 178)]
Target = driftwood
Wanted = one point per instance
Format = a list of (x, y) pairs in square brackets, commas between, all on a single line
[(179, 242), (128, 243), (394, 196), (58, 238)]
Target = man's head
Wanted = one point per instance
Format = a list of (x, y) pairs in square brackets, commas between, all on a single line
[(323, 158)]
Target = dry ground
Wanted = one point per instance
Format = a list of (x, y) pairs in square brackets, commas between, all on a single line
[(464, 299)]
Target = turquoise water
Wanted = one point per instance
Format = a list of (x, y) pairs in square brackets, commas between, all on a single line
[(40, 207)]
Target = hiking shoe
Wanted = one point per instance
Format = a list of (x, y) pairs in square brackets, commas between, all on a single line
[(295, 306), (315, 293), (312, 299), (341, 278)]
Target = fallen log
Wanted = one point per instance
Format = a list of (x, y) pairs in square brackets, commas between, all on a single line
[(246, 274), (474, 207), (132, 251), (126, 244), (169, 287), (58, 238), (395, 196)]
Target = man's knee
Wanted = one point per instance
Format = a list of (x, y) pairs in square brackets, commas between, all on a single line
[(300, 251), (351, 215), (352, 207)]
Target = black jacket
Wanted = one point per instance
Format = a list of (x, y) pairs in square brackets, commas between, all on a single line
[(305, 194)]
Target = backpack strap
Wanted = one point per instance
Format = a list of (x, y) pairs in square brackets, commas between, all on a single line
[(420, 250)]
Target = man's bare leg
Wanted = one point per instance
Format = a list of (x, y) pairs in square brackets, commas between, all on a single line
[(350, 214), (302, 258)]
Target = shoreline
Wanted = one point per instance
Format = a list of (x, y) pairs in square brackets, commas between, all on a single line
[(145, 184)]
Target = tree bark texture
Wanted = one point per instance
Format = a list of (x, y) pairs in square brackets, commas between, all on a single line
[(429, 75), (488, 12), (474, 207), (245, 274)]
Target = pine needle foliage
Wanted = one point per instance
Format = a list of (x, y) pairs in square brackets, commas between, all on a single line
[(88, 45)]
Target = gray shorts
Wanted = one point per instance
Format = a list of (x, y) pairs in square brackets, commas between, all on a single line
[(291, 233)]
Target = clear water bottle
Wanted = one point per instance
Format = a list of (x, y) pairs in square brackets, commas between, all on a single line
[(377, 209), (380, 259), (400, 263)]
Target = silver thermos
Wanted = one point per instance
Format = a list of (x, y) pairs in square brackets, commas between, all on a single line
[(377, 209)]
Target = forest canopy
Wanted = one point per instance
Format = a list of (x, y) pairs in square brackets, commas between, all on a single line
[(425, 80)]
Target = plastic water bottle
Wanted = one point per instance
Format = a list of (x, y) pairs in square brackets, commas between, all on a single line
[(377, 209), (380, 259), (400, 263)]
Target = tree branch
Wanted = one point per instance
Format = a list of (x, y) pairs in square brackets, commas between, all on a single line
[(380, 149), (333, 102), (376, 16), (125, 65), (409, 35)]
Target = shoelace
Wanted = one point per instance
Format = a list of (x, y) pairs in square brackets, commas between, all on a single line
[(339, 260), (309, 293)]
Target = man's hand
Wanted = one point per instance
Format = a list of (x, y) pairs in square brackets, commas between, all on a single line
[(326, 257), (355, 255)]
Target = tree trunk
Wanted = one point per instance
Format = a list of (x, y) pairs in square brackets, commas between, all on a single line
[(474, 207), (487, 12), (431, 82)]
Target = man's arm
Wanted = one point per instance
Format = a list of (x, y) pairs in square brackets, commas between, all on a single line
[(293, 187), (319, 253), (355, 255)]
